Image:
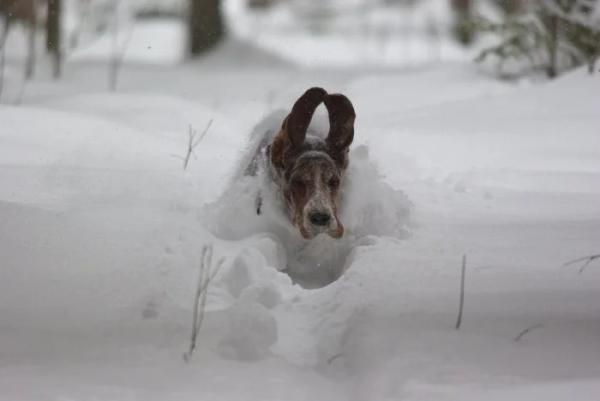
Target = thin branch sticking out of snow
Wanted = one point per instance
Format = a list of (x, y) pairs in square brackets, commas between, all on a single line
[(333, 358), (116, 59), (193, 141), (205, 275), (462, 292), (586, 261), (526, 331), (4, 35)]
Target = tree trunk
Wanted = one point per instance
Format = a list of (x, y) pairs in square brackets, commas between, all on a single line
[(206, 25), (552, 70), (462, 21), (4, 34), (30, 61), (53, 27)]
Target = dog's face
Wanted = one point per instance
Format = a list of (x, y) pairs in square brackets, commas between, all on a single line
[(311, 169), (311, 195)]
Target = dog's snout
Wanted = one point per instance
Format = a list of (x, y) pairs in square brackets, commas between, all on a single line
[(320, 219)]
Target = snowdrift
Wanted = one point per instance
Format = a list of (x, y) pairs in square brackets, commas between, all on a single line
[(102, 230)]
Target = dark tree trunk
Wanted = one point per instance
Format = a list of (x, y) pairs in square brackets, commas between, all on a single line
[(53, 26), (206, 25), (30, 63), (463, 30), (23, 11), (592, 63), (552, 70), (4, 34)]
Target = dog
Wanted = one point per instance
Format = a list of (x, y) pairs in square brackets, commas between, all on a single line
[(308, 169)]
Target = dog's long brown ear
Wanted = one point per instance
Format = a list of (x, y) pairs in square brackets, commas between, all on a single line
[(299, 118), (293, 129), (341, 125)]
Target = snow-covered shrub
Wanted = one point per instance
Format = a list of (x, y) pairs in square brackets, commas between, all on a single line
[(551, 35)]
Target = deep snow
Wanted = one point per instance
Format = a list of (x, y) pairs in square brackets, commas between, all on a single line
[(102, 230)]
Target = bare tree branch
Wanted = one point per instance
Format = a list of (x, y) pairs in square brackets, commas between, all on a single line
[(193, 140), (205, 275), (586, 261), (334, 357), (526, 331), (4, 34), (462, 292), (203, 133), (118, 52)]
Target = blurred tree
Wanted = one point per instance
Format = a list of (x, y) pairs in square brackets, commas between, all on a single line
[(553, 36), (53, 37), (582, 29), (511, 7), (261, 4), (463, 29), (23, 11), (206, 25)]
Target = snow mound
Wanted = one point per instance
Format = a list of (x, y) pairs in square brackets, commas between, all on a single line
[(251, 331), (370, 207)]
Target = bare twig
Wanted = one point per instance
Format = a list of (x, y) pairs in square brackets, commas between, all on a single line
[(4, 34), (334, 357), (205, 275), (118, 54), (527, 330), (19, 99), (193, 140), (462, 292), (586, 261), (197, 296)]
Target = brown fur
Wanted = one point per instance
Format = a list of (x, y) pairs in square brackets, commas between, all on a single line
[(310, 171)]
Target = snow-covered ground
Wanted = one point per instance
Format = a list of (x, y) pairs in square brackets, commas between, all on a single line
[(351, 32), (101, 234)]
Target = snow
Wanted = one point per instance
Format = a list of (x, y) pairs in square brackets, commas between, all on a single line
[(102, 231), (153, 42), (343, 33)]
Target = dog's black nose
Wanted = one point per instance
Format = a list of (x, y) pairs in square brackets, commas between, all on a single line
[(320, 219)]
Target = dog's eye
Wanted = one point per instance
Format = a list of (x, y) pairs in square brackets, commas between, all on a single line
[(333, 182)]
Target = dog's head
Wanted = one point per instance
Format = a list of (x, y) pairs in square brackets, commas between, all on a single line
[(311, 169)]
